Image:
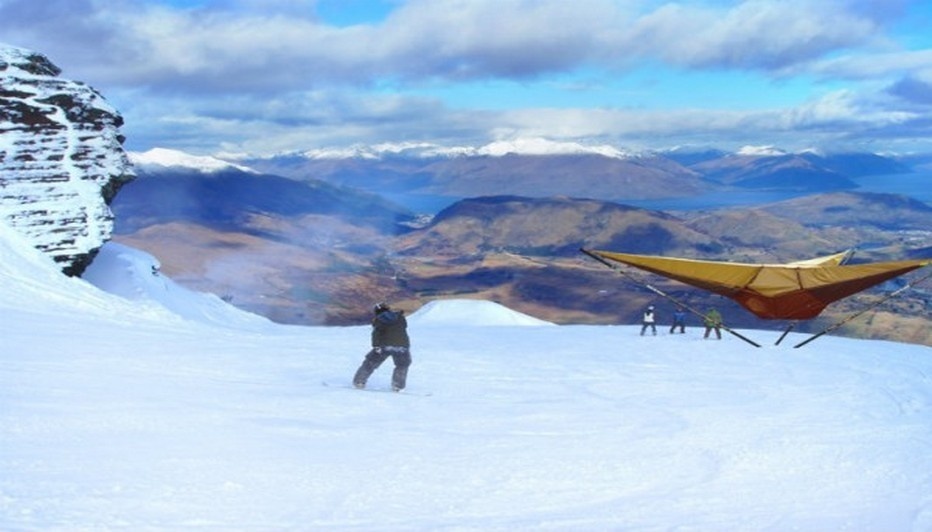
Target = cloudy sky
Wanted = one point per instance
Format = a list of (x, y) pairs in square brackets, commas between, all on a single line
[(267, 76)]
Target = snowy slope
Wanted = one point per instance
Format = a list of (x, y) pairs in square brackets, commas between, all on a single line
[(472, 313), (135, 275), (118, 413)]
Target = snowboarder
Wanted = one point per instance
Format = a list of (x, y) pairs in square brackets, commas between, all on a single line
[(679, 320), (389, 338), (649, 320), (713, 320)]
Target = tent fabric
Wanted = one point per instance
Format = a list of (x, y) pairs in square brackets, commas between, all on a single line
[(797, 290), (836, 259)]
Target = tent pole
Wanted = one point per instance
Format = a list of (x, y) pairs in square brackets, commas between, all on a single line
[(786, 332), (876, 304), (661, 293)]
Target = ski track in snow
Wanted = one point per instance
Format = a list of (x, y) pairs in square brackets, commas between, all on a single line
[(121, 414)]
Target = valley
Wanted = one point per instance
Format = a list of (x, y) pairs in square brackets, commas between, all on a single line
[(307, 262)]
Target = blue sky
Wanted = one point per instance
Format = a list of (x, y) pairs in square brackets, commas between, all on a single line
[(270, 76)]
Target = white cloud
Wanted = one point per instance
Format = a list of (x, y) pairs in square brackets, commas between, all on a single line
[(757, 34), (251, 50), (256, 76), (847, 107), (876, 65)]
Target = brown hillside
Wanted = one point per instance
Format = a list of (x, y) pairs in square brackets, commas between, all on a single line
[(563, 175), (550, 227), (755, 235), (850, 209)]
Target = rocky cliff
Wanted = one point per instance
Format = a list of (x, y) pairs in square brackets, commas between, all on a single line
[(61, 159)]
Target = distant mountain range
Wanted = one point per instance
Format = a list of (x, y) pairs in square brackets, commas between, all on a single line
[(545, 169), (587, 174)]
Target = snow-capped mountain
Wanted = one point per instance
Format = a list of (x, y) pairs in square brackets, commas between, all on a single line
[(542, 168), (760, 151), (163, 158), (428, 174), (61, 158), (518, 146)]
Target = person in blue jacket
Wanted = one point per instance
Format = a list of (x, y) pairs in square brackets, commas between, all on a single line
[(679, 320)]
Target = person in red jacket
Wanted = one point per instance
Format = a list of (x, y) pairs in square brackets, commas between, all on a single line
[(389, 339)]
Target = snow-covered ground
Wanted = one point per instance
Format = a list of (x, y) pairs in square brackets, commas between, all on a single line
[(168, 410)]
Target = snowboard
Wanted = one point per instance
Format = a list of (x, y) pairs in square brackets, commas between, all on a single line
[(373, 390)]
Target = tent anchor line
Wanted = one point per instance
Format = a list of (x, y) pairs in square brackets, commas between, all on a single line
[(876, 304), (663, 294)]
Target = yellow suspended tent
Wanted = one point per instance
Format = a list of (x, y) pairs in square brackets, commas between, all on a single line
[(793, 291)]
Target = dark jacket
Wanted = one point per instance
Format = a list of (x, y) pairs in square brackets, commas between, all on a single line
[(390, 328)]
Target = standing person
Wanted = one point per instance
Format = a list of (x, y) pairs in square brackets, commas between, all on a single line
[(389, 338), (649, 320), (713, 320), (679, 320)]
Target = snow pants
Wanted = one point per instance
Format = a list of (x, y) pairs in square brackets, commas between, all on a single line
[(401, 356)]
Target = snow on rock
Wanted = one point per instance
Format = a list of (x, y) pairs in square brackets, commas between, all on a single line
[(471, 312), (25, 270), (61, 159)]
